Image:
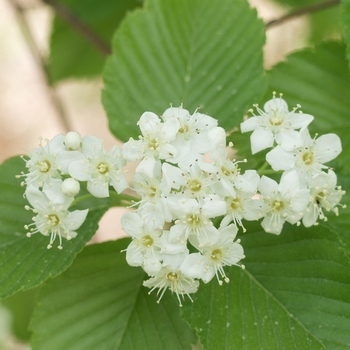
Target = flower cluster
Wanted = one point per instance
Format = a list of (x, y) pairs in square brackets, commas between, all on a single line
[(52, 181), (305, 190), (192, 196)]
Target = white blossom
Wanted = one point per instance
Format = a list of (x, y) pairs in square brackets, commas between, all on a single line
[(325, 196), (53, 219), (42, 164), (99, 168), (144, 250), (153, 145), (194, 220), (171, 277), (285, 201), (191, 138), (212, 259), (275, 123), (308, 159)]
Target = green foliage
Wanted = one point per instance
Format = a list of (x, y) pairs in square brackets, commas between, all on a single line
[(26, 262), (190, 52), (345, 23), (99, 303), (21, 306), (293, 294), (71, 54)]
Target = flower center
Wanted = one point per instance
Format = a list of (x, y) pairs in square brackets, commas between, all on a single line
[(44, 166), (193, 220), (319, 197), (227, 172), (235, 204), (184, 129), (103, 168), (53, 220), (277, 205), (172, 276), (308, 157), (276, 120), (216, 255), (152, 191), (147, 241), (194, 185), (153, 144)]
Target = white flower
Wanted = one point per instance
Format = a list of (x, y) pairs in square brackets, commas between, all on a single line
[(191, 181), (170, 277), (308, 159), (284, 201), (194, 221), (99, 168), (244, 204), (153, 204), (154, 144), (325, 195), (191, 134), (144, 250), (53, 219), (42, 165), (275, 123), (213, 258)]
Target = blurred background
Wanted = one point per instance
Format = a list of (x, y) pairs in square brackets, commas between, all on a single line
[(37, 100)]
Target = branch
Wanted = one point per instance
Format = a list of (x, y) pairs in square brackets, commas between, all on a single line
[(303, 11), (25, 28), (70, 18)]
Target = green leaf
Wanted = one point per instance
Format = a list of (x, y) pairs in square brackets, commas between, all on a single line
[(71, 54), (100, 303), (21, 306), (293, 294), (345, 23), (200, 53), (26, 262)]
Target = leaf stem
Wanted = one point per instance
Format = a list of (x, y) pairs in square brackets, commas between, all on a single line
[(303, 11), (82, 28)]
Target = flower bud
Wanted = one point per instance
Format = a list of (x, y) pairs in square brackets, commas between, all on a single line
[(72, 140), (70, 187)]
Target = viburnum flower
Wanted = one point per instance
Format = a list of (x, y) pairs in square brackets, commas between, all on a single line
[(309, 158), (171, 277), (325, 196), (144, 250), (53, 219), (213, 258), (153, 204), (245, 203), (285, 201), (193, 220), (275, 123), (191, 138), (42, 164), (154, 144), (99, 168)]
